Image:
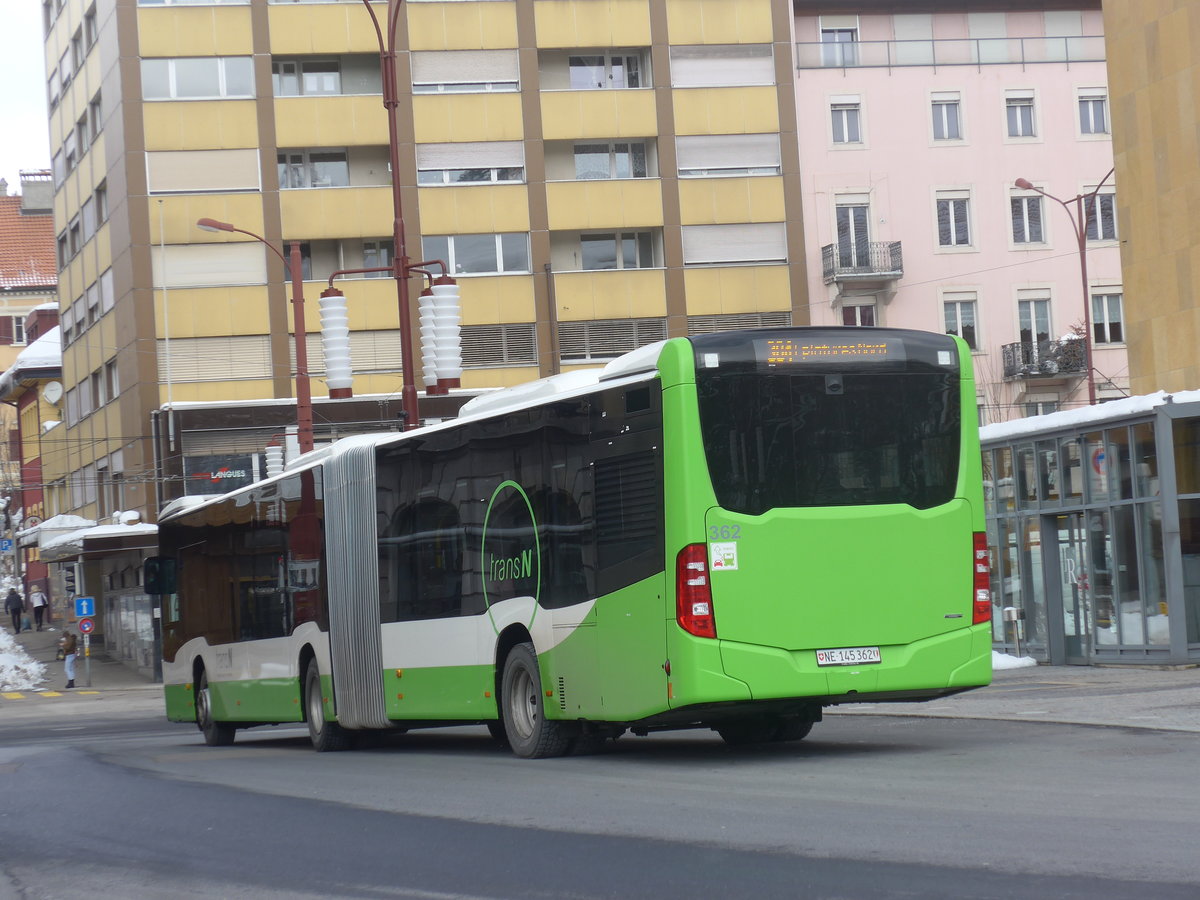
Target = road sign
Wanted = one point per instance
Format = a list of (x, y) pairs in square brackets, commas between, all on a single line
[(5, 545), (87, 626), (85, 606)]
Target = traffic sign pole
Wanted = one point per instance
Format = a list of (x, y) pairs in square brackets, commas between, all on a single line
[(87, 658)]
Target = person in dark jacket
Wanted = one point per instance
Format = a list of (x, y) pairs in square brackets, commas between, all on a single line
[(14, 606)]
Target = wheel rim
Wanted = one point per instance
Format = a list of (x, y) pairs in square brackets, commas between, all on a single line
[(316, 708), (204, 708), (522, 703)]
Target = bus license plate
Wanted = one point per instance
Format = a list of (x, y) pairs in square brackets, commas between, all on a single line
[(848, 656)]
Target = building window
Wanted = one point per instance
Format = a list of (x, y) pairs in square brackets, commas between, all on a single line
[(12, 329), (846, 123), (620, 159), (87, 216), (839, 46), (77, 52), (464, 71), (479, 254), (859, 314), (960, 317), (313, 169), (94, 119), (853, 238), (1093, 112), (52, 89), (626, 250), (607, 338), (606, 70), (484, 346), (722, 65), (1026, 220), (112, 384), (947, 121), (727, 154), (1020, 115), (89, 28), (377, 253), (198, 78), (1107, 320), (484, 162), (1040, 407), (748, 242), (953, 230), (295, 78), (1102, 217), (1034, 317)]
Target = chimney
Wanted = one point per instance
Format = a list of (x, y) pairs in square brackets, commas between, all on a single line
[(37, 192)]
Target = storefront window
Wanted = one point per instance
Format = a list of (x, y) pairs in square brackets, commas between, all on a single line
[(1145, 460), (1072, 486), (1004, 479), (1189, 546), (1100, 577), (1033, 587), (1047, 459), (1187, 455), (989, 487), (1154, 588), (1026, 478), (1096, 465), (1120, 481)]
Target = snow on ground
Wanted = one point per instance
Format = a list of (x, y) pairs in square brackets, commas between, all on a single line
[(18, 670), (1004, 661)]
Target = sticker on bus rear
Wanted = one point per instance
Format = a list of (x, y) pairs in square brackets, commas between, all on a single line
[(722, 556)]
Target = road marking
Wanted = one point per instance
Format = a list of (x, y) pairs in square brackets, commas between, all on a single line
[(12, 695)]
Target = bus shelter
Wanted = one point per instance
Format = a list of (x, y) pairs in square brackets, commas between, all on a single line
[(1094, 529)]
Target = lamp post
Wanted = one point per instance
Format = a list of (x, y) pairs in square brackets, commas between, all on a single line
[(1083, 204), (304, 416)]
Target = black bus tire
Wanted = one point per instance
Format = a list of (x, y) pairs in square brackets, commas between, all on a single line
[(326, 737), (530, 734), (216, 734)]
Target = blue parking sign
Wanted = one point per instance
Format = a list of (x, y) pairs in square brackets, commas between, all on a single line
[(85, 606)]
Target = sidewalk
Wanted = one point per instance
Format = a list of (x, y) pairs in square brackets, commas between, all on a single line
[(113, 686)]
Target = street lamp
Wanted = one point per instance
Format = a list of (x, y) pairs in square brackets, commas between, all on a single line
[(1084, 204), (304, 415)]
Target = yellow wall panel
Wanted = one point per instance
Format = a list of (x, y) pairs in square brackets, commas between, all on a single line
[(324, 28), (467, 117), (474, 210), (475, 379), (195, 31), (719, 21), (212, 312), (487, 300), (313, 121), (336, 212), (179, 213), (371, 303), (624, 203), (610, 294), (714, 290), (461, 26), (200, 125), (592, 23), (734, 110), (598, 114), (711, 201)]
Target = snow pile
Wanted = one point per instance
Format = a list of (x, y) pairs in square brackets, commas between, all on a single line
[(18, 670), (1004, 661)]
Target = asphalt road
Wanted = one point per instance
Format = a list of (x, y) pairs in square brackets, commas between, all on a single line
[(868, 807)]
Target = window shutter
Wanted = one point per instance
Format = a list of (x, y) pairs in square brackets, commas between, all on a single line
[(727, 151), (471, 155), (451, 66), (721, 65)]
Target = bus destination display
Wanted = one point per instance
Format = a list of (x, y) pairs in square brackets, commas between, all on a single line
[(785, 351)]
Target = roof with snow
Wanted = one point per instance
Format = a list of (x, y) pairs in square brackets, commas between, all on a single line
[(27, 258), (43, 356), (1075, 419)]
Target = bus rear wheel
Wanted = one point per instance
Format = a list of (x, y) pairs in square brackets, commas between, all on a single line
[(530, 734), (216, 734), (326, 736)]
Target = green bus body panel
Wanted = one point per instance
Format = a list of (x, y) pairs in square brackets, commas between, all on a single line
[(442, 692), (845, 576), (181, 702), (257, 700)]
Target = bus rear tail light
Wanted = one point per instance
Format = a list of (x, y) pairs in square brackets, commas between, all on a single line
[(981, 610), (693, 595)]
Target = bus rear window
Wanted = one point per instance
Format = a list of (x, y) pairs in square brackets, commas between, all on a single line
[(829, 432)]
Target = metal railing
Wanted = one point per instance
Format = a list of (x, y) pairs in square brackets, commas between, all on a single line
[(1044, 359), (876, 259), (950, 52)]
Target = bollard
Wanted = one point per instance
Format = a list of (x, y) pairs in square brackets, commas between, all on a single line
[(1016, 616)]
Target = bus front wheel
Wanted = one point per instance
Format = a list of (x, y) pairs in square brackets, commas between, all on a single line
[(530, 734), (216, 734), (326, 736)]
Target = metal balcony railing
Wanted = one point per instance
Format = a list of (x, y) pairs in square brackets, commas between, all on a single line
[(878, 260), (950, 52), (1044, 359)]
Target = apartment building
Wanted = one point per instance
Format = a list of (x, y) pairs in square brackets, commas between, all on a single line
[(916, 121), (597, 174)]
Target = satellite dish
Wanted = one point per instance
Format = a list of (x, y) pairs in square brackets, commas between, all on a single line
[(52, 392)]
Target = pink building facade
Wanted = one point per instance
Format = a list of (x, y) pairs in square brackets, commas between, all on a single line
[(914, 128)]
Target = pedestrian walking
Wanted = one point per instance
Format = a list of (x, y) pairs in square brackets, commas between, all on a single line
[(38, 601), (14, 606), (68, 643)]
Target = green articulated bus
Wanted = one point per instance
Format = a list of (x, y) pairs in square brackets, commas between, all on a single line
[(727, 531)]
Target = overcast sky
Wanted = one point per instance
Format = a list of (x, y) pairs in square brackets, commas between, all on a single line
[(24, 142)]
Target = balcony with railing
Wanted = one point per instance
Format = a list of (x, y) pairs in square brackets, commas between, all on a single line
[(1044, 360), (872, 261), (950, 52)]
